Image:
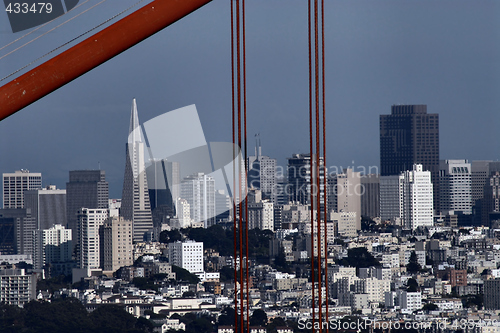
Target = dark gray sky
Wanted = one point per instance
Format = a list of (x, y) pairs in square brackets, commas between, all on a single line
[(445, 54)]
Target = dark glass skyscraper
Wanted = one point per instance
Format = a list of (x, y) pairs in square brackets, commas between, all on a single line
[(410, 135), (85, 189)]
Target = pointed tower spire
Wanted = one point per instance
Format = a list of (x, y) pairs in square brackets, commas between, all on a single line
[(135, 197), (134, 129)]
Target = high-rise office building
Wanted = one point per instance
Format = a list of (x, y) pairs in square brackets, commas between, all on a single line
[(345, 193), (299, 178), (16, 234), (370, 195), (408, 136), (262, 174), (199, 191), (135, 198), (481, 174), (491, 201), (11, 224), (391, 192), (15, 184), (164, 178), (48, 206), (85, 189), (455, 186)]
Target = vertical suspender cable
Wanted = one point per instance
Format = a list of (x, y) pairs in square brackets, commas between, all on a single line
[(325, 192), (246, 161), (311, 167), (235, 153), (317, 165)]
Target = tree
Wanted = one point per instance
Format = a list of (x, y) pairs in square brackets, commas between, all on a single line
[(430, 307), (413, 265), (359, 257), (227, 317), (411, 285), (184, 275), (258, 318)]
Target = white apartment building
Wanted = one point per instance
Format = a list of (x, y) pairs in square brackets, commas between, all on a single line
[(17, 287), (188, 255), (183, 215), (455, 178), (89, 222), (199, 191), (418, 202), (346, 223), (374, 287), (52, 245), (261, 215), (408, 197), (409, 301), (16, 183)]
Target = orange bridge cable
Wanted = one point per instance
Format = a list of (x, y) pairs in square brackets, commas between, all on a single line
[(316, 180), (245, 162), (325, 192), (234, 171), (240, 230), (311, 215)]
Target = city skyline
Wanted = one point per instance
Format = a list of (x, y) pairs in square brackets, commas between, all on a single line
[(417, 56)]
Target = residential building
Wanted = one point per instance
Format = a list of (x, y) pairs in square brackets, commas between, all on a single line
[(345, 223), (199, 191), (89, 222), (116, 249), (408, 198), (17, 287), (53, 245), (410, 301), (188, 255), (261, 215), (344, 194)]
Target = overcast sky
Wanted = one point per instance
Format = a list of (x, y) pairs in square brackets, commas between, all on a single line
[(445, 54)]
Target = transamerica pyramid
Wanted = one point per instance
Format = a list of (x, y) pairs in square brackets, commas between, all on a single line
[(135, 198)]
